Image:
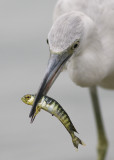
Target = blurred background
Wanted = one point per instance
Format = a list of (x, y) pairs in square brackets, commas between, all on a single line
[(24, 26)]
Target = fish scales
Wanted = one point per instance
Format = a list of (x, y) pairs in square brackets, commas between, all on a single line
[(53, 107), (56, 109)]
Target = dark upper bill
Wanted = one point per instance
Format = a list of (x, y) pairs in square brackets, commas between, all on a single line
[(55, 65)]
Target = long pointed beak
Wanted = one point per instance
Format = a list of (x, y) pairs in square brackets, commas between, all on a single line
[(55, 65)]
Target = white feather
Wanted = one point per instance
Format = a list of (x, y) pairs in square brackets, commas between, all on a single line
[(94, 26)]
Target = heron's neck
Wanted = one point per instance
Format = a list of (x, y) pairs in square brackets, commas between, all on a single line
[(89, 67)]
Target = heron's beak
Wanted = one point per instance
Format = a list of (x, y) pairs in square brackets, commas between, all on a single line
[(55, 65)]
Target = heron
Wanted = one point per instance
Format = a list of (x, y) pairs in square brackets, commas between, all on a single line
[(81, 42)]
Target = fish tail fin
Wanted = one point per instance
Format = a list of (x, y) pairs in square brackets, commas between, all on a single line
[(76, 141)]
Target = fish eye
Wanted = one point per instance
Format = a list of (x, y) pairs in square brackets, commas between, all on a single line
[(27, 96)]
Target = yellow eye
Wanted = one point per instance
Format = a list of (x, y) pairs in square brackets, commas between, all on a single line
[(76, 44)]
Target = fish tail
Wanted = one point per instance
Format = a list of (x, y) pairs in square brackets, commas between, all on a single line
[(76, 141)]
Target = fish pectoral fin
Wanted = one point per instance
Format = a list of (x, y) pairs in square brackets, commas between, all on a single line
[(37, 111)]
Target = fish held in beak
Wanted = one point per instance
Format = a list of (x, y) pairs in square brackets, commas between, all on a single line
[(55, 65)]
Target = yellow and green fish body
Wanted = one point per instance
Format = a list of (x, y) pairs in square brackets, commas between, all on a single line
[(53, 107)]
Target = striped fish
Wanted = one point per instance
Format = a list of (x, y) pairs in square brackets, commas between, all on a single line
[(53, 107)]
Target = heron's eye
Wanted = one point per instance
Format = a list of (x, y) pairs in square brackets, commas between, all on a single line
[(76, 45), (47, 41)]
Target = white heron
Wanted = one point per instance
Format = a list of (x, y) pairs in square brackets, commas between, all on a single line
[(81, 41)]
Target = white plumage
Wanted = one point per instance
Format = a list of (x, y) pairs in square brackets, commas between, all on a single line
[(81, 40), (95, 63)]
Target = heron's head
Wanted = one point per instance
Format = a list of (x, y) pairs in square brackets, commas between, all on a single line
[(65, 35), (64, 41), (28, 99)]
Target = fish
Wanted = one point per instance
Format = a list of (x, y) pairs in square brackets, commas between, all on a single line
[(55, 109)]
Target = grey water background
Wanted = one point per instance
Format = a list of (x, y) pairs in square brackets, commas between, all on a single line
[(24, 26)]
